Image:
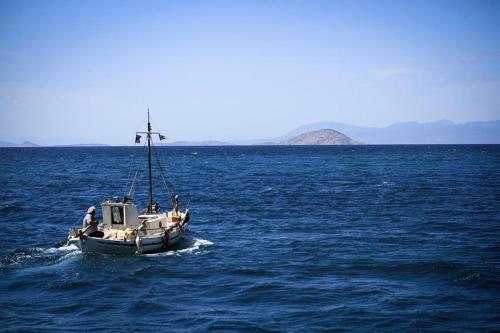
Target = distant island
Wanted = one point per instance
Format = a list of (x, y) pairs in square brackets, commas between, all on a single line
[(334, 133), (321, 137), (436, 132), (32, 144), (23, 144)]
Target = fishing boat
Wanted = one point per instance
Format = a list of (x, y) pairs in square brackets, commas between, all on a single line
[(125, 230)]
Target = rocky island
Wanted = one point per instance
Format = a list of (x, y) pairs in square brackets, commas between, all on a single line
[(321, 137), (22, 145)]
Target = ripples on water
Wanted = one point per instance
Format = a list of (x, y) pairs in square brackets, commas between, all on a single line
[(370, 238)]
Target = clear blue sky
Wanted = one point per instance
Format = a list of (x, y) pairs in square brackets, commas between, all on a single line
[(86, 71)]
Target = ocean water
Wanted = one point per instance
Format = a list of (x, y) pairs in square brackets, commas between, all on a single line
[(281, 239)]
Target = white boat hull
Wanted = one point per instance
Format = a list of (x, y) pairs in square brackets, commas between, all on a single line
[(149, 244)]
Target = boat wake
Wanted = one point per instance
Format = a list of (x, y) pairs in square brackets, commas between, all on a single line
[(189, 246), (39, 256), (61, 249)]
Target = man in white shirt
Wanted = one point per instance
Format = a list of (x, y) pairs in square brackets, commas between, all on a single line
[(88, 219)]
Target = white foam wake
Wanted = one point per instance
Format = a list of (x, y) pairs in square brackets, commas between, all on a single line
[(63, 248), (62, 253), (197, 246)]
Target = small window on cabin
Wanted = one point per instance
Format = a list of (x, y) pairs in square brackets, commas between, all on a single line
[(117, 215)]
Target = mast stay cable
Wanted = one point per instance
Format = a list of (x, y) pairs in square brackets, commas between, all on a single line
[(168, 186)]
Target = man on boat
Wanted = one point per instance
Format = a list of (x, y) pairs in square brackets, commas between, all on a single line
[(89, 221), (175, 205)]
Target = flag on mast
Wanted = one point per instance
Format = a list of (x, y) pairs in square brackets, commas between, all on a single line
[(137, 138), (162, 137)]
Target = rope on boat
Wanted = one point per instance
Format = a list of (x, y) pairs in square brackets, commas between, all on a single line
[(164, 180), (132, 185), (166, 184), (133, 179)]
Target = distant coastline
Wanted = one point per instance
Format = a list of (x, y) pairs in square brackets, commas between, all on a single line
[(438, 132), (29, 144)]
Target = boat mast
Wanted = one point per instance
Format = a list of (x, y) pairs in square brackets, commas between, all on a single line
[(150, 205), (149, 134)]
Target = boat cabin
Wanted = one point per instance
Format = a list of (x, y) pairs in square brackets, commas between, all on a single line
[(119, 215)]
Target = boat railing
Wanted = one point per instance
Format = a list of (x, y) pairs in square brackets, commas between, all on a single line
[(153, 231), (149, 231)]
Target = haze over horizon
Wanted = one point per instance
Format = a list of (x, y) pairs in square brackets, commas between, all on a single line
[(80, 72)]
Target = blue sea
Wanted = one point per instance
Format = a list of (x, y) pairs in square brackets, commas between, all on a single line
[(402, 238)]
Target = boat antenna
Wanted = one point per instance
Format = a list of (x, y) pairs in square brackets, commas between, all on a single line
[(150, 205)]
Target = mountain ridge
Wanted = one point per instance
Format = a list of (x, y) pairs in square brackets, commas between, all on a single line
[(22, 144), (435, 132)]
